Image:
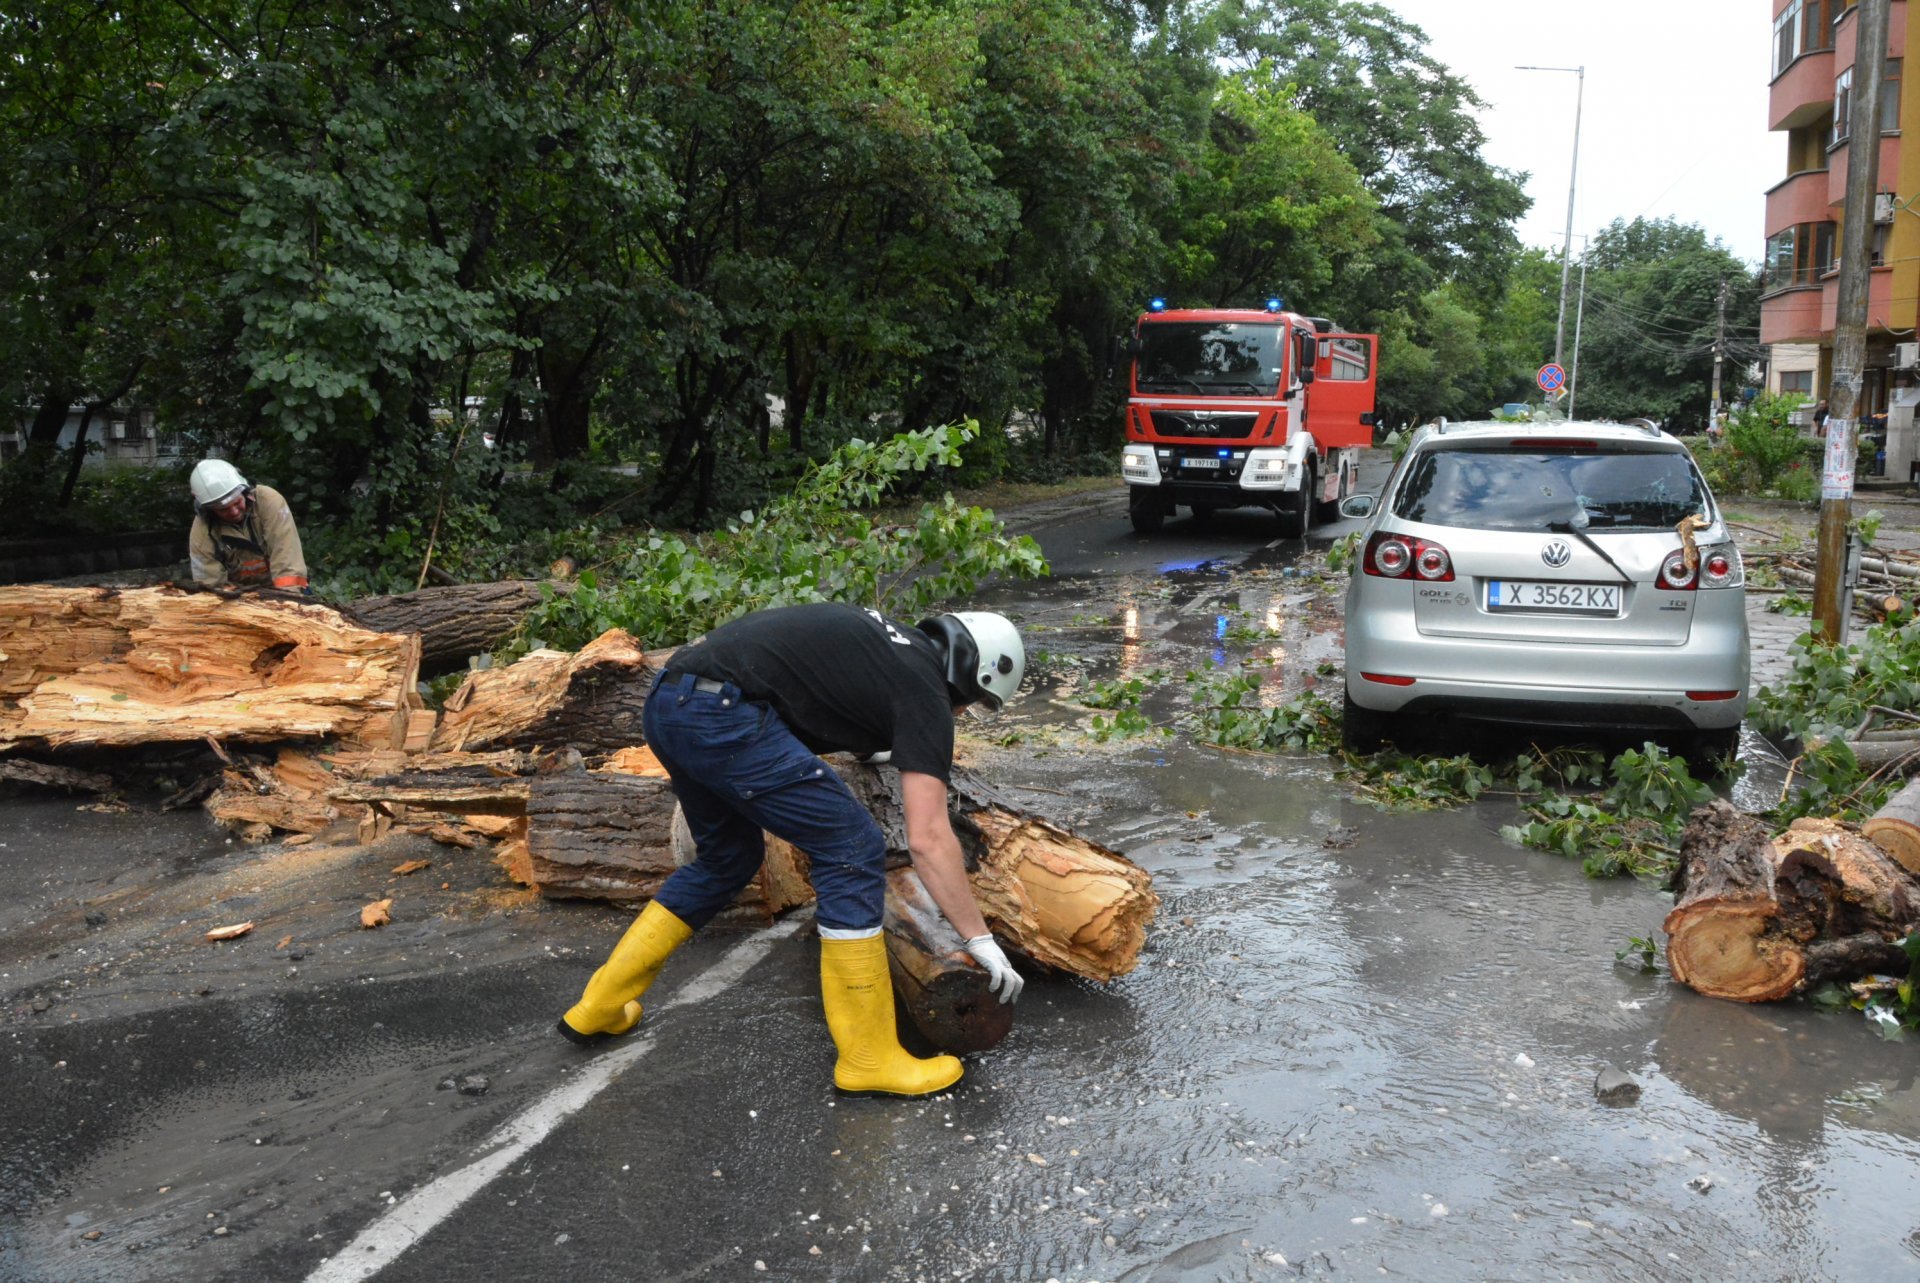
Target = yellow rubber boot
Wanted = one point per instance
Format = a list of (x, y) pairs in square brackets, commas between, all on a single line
[(858, 995), (609, 1005)]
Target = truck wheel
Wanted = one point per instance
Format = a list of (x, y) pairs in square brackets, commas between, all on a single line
[(1362, 730), (1145, 510), (1296, 509)]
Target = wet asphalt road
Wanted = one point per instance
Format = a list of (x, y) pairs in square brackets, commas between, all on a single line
[(1358, 1044)]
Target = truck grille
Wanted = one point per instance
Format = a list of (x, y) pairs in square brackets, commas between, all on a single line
[(1225, 425)]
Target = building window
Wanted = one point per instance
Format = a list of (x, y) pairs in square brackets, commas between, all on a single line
[(1796, 381), (1799, 255), (1787, 36), (1889, 101), (1816, 25)]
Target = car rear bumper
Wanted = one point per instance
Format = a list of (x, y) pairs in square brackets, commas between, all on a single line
[(1557, 684)]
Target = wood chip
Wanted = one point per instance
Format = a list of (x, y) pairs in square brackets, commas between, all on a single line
[(284, 942), (230, 932), (298, 839), (376, 914), (412, 866)]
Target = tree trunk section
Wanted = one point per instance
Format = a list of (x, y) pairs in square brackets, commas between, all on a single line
[(1895, 827), (590, 700), (942, 990), (107, 668), (1758, 918), (454, 622)]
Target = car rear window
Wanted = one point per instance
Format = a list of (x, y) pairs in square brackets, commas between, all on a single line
[(1527, 488)]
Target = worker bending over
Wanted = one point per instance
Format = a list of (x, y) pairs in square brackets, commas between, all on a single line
[(737, 719), (243, 536)]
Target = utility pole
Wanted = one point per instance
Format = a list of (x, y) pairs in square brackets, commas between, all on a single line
[(1579, 313), (1719, 355), (1850, 321), (1573, 171)]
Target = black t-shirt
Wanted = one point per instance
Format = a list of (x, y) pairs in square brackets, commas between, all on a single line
[(843, 678)]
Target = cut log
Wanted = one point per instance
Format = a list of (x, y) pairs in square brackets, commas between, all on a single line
[(942, 990), (155, 665), (590, 700), (1047, 892), (1757, 918), (454, 623), (1903, 755), (1895, 827)]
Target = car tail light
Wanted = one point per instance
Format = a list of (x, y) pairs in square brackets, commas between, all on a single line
[(1720, 567), (1674, 574), (1402, 557), (1707, 697)]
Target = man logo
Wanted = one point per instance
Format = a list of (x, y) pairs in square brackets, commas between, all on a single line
[(1556, 554)]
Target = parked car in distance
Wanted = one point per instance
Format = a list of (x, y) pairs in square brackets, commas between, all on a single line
[(1536, 575)]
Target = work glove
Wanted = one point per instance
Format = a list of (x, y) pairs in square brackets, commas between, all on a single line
[(1002, 980)]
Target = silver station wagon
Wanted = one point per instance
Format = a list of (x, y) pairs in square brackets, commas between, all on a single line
[(1568, 575)]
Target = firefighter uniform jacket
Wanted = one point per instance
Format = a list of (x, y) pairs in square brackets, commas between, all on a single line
[(262, 551)]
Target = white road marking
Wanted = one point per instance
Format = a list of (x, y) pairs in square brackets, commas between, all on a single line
[(416, 1216)]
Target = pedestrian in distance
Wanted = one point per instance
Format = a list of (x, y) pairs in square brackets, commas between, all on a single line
[(243, 535), (738, 719), (1820, 418)]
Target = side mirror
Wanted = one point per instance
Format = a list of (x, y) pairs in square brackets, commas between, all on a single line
[(1358, 506), (1306, 376)]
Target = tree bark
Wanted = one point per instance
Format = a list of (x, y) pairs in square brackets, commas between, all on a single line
[(455, 622), (942, 990), (1758, 918)]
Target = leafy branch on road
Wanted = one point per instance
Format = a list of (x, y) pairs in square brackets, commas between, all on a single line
[(819, 543)]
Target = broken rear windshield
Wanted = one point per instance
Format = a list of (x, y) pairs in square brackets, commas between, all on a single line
[(1215, 359), (1531, 489)]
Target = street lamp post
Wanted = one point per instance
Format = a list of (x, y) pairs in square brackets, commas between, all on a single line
[(1573, 171)]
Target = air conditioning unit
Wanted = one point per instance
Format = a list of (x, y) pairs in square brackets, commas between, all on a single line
[(1906, 356), (1884, 203)]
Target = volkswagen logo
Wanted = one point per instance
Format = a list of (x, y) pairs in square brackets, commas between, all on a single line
[(1556, 554)]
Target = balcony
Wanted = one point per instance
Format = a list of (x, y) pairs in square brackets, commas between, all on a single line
[(1800, 198), (1805, 313), (1802, 92), (1791, 316), (1837, 169)]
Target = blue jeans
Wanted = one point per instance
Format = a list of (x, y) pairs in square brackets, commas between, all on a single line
[(737, 770)]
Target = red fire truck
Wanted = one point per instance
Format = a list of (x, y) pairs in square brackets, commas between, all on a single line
[(1235, 408)]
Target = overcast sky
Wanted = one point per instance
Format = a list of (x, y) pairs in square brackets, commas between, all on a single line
[(1675, 117)]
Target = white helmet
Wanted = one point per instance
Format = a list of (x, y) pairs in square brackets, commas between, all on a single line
[(985, 658), (214, 482)]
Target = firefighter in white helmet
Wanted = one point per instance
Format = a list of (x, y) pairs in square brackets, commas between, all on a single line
[(243, 536), (737, 718)]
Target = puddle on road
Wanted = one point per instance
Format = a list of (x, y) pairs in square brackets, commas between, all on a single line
[(1378, 1053)]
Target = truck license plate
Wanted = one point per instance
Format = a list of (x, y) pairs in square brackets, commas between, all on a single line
[(1202, 462), (1580, 599)]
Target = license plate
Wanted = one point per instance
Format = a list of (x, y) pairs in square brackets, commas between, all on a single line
[(1200, 463), (1579, 599)]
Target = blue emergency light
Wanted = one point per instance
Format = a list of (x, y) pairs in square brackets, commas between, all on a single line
[(1156, 305), (1276, 303)]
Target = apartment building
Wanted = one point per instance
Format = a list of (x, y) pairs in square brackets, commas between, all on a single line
[(1810, 101)]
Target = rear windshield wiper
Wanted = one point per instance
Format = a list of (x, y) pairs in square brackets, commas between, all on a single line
[(1568, 528)]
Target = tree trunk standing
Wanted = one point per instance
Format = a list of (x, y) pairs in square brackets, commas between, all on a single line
[(569, 379), (1758, 918), (78, 454)]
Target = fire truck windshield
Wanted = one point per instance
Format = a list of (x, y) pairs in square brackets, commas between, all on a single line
[(1222, 358)]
